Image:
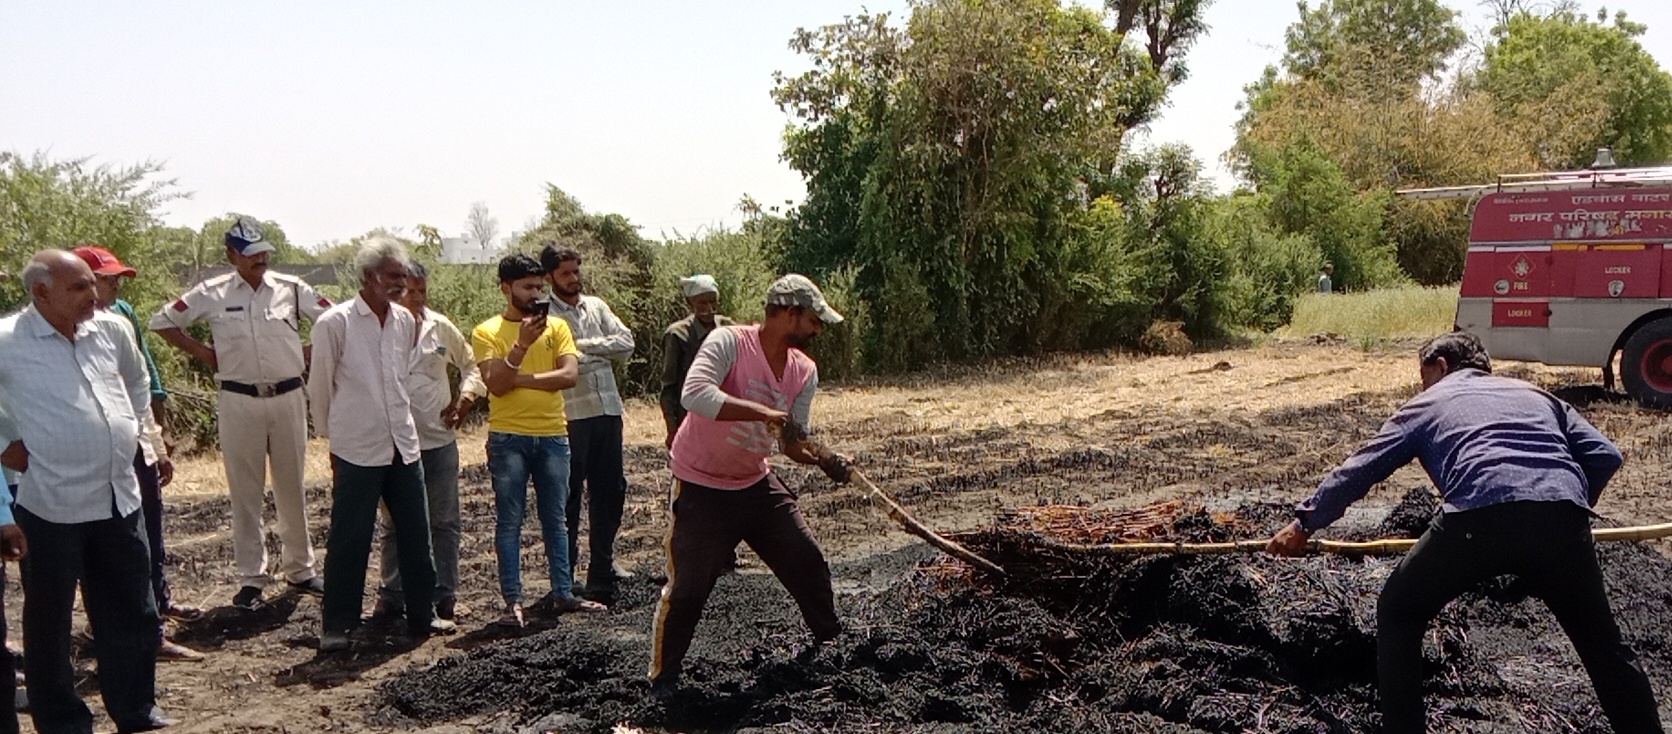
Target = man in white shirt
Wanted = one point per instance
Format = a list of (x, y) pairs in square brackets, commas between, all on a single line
[(255, 321), (436, 413), (74, 385), (593, 408), (361, 364)]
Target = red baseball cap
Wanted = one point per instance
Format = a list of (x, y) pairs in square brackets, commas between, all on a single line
[(103, 262)]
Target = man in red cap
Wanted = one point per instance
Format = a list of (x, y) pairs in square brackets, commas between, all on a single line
[(152, 464)]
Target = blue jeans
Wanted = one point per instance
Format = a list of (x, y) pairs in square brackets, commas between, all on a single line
[(512, 460)]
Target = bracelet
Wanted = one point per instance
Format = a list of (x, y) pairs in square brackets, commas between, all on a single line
[(512, 366)]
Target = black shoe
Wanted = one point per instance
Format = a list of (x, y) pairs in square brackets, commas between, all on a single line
[(385, 610), (447, 608), (665, 689), (314, 586), (247, 598), (601, 592), (333, 642)]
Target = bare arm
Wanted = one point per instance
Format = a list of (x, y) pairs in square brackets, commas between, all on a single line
[(564, 377), (799, 454), (497, 376)]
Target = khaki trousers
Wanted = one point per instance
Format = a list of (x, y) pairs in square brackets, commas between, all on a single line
[(253, 432)]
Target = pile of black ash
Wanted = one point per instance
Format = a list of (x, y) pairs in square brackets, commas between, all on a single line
[(1162, 644)]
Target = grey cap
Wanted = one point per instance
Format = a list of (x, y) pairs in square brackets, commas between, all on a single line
[(798, 290), (246, 237)]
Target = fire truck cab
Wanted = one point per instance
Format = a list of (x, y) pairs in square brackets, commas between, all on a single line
[(1573, 269)]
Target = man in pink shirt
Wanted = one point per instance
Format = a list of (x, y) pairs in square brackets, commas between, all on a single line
[(745, 384)]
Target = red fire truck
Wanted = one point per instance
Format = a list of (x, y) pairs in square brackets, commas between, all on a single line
[(1573, 269)]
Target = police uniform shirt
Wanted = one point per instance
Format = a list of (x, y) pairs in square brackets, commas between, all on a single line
[(256, 331)]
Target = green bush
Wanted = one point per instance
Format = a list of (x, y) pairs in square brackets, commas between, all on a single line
[(1268, 269)]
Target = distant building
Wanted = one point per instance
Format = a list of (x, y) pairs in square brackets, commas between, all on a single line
[(467, 251)]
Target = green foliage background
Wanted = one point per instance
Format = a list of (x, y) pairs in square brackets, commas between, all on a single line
[(973, 190)]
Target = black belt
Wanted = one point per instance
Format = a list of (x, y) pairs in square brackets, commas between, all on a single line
[(262, 391)]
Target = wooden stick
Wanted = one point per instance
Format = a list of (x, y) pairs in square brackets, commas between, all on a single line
[(792, 433), (1386, 546), (899, 515)]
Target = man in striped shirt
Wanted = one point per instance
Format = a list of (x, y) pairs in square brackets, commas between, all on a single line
[(593, 409)]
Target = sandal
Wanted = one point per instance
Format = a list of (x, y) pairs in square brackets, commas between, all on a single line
[(577, 604), (513, 616)]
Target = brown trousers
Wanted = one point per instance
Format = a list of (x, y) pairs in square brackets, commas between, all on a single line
[(701, 544)]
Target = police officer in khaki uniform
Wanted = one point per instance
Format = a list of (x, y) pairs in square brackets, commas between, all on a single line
[(257, 356)]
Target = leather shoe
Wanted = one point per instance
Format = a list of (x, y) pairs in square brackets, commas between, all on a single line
[(247, 598), (333, 641), (665, 689), (385, 610), (599, 592), (449, 608), (314, 586)]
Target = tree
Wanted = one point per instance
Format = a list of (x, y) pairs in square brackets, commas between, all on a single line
[(481, 226), (1360, 101), (1575, 85), (946, 159), (428, 247), (1411, 39), (61, 204)]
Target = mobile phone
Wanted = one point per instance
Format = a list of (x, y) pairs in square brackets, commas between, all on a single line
[(540, 307)]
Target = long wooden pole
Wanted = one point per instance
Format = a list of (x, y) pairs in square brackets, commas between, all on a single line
[(1387, 546), (899, 515)]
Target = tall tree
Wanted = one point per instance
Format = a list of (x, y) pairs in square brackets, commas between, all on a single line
[(1406, 40), (481, 226), (945, 158), (1575, 85)]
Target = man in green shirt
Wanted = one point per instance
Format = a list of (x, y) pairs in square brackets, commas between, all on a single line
[(680, 342), (152, 464)]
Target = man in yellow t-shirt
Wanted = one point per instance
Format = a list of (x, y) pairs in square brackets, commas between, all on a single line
[(527, 359)]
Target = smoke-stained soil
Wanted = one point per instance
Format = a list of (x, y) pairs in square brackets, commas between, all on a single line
[(1159, 645), (1065, 643)]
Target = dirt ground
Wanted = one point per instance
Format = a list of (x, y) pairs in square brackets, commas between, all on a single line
[(956, 447)]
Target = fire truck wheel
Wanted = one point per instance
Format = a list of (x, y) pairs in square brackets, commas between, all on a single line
[(1646, 364)]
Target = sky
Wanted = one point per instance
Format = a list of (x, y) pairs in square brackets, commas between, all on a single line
[(333, 118)]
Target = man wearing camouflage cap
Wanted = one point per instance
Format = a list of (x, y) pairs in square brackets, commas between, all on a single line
[(255, 320), (746, 383)]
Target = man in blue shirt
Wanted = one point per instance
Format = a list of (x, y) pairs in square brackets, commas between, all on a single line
[(1518, 471)]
